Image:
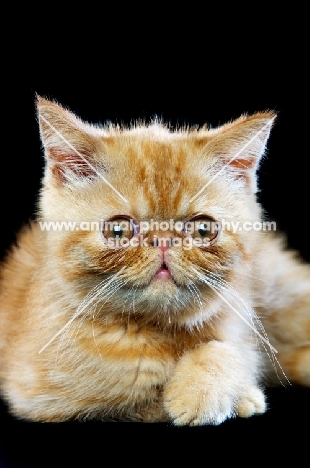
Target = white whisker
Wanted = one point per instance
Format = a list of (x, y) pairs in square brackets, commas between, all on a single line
[(107, 292), (90, 298), (221, 287), (94, 338)]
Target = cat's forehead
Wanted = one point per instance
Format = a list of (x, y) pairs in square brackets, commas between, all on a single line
[(157, 169), (155, 150)]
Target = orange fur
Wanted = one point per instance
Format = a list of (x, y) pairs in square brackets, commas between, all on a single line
[(148, 333)]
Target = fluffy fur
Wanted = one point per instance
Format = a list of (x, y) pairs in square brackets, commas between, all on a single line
[(148, 332)]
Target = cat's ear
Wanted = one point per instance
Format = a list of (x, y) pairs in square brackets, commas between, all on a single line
[(70, 144), (240, 145)]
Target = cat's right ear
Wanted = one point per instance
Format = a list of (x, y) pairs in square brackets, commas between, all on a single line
[(70, 145)]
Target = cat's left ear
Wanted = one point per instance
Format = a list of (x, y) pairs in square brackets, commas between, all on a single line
[(240, 145)]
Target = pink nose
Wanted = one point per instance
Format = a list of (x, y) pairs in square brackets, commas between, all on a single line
[(163, 248)]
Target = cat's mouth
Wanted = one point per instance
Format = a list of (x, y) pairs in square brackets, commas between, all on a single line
[(163, 273)]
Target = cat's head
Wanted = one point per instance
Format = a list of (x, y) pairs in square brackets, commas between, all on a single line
[(148, 207)]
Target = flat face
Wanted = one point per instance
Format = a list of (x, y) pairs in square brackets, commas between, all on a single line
[(157, 199)]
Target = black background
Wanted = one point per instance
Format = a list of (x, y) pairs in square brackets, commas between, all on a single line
[(190, 85)]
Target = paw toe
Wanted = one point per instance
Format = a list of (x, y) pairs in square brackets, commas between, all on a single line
[(253, 402)]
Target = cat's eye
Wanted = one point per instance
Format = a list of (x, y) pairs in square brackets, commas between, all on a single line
[(119, 228), (202, 228)]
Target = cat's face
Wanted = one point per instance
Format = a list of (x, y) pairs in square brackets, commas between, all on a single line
[(152, 203)]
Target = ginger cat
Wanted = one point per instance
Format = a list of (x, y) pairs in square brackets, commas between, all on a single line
[(160, 295)]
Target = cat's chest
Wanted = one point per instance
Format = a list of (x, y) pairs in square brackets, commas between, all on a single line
[(129, 357)]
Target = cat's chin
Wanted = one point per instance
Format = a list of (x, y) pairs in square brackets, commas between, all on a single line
[(163, 282)]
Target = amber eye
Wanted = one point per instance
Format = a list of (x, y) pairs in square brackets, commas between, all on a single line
[(202, 227), (119, 228)]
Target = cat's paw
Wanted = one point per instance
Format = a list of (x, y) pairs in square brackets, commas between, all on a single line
[(210, 393), (195, 406)]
